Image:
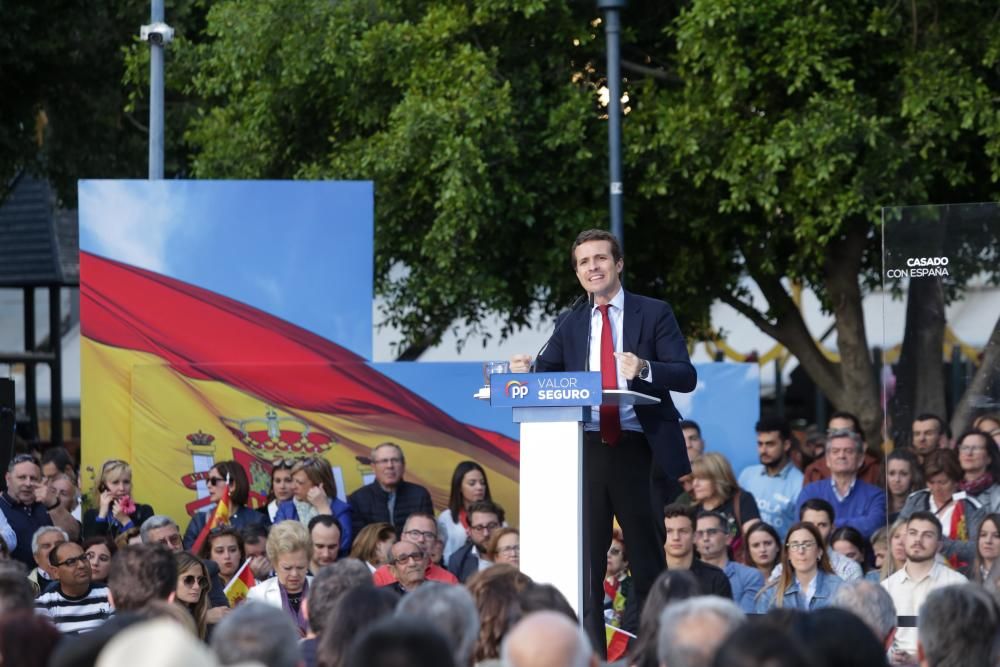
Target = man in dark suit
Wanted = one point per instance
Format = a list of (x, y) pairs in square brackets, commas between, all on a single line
[(636, 344)]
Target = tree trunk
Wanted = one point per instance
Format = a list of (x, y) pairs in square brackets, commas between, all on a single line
[(978, 395), (919, 372)]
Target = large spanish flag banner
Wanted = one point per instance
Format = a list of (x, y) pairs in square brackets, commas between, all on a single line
[(176, 376)]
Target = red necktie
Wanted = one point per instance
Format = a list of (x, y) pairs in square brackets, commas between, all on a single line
[(611, 428)]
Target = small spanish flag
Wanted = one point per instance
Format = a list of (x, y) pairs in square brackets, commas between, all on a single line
[(617, 642), (220, 516), (241, 583)]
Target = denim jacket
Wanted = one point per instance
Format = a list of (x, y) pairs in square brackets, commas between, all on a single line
[(826, 585)]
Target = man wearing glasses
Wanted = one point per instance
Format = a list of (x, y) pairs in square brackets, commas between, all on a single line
[(420, 530), (390, 498), (21, 508), (161, 529), (713, 541), (77, 604), (484, 519), (408, 563)]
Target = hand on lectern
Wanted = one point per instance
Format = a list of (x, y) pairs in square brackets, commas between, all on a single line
[(520, 363)]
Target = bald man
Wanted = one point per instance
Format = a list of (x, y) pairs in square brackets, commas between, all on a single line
[(547, 639)]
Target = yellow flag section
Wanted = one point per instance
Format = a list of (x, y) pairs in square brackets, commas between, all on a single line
[(172, 428)]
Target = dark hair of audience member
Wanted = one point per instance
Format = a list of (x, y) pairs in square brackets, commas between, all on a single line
[(356, 609), (253, 533), (837, 637), (329, 585), (456, 502), (400, 642), (26, 639), (761, 527), (15, 589), (670, 586), (141, 573), (366, 542), (854, 536), (497, 592), (761, 642), (545, 597)]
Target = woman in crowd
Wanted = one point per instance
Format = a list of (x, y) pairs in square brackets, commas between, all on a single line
[(986, 568), (282, 487), (880, 549), (468, 485), (807, 581), (289, 550), (99, 551), (714, 487), (988, 424), (849, 542), (903, 476), (495, 591), (116, 510), (315, 492), (356, 610), (505, 547), (224, 545), (959, 515), (373, 543), (193, 586), (239, 495), (895, 557), (763, 548), (617, 581), (671, 586), (979, 457)]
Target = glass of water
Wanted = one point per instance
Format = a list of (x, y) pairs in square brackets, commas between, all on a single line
[(492, 367)]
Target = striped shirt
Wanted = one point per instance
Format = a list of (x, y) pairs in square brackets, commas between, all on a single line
[(75, 615)]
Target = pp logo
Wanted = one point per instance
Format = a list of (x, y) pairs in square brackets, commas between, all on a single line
[(516, 389)]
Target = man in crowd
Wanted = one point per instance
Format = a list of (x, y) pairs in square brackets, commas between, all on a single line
[(326, 588), (255, 548), (775, 482), (21, 508), (855, 502), (692, 438), (42, 542), (958, 626), (635, 455), (547, 638), (257, 633), (390, 498), (679, 525), (872, 604), (929, 433), (15, 591), (408, 563), (713, 547), (871, 465), (76, 604), (141, 573), (910, 586), (820, 514), (485, 517), (692, 630), (421, 530), (324, 531), (451, 610), (162, 530)]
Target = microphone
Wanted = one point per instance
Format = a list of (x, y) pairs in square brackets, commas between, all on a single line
[(586, 350), (573, 306)]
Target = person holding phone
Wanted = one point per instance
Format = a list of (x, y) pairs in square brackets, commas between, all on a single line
[(116, 510)]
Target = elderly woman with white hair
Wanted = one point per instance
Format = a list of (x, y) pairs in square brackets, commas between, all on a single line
[(289, 549)]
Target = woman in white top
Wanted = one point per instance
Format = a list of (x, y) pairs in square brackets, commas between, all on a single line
[(468, 485), (282, 487)]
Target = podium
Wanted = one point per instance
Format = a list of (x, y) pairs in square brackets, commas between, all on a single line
[(552, 409)]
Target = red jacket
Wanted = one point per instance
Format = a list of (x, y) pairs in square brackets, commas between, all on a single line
[(383, 575)]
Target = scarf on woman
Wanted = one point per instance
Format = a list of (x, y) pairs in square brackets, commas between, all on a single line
[(978, 485), (305, 511), (297, 616)]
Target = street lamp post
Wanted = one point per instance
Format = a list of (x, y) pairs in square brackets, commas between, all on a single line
[(612, 31)]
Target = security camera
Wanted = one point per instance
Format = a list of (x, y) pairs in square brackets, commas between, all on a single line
[(156, 33)]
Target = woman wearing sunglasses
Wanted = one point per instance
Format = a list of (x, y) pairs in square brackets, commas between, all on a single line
[(116, 510), (239, 494), (192, 589)]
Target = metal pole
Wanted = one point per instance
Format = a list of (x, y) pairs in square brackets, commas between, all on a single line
[(156, 97), (612, 31), (30, 386), (55, 368)]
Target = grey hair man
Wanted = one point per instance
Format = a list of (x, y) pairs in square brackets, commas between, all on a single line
[(547, 639), (872, 604), (692, 630), (325, 590), (956, 626), (260, 633), (451, 610), (161, 529)]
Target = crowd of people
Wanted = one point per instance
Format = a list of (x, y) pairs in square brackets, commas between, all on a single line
[(821, 554)]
